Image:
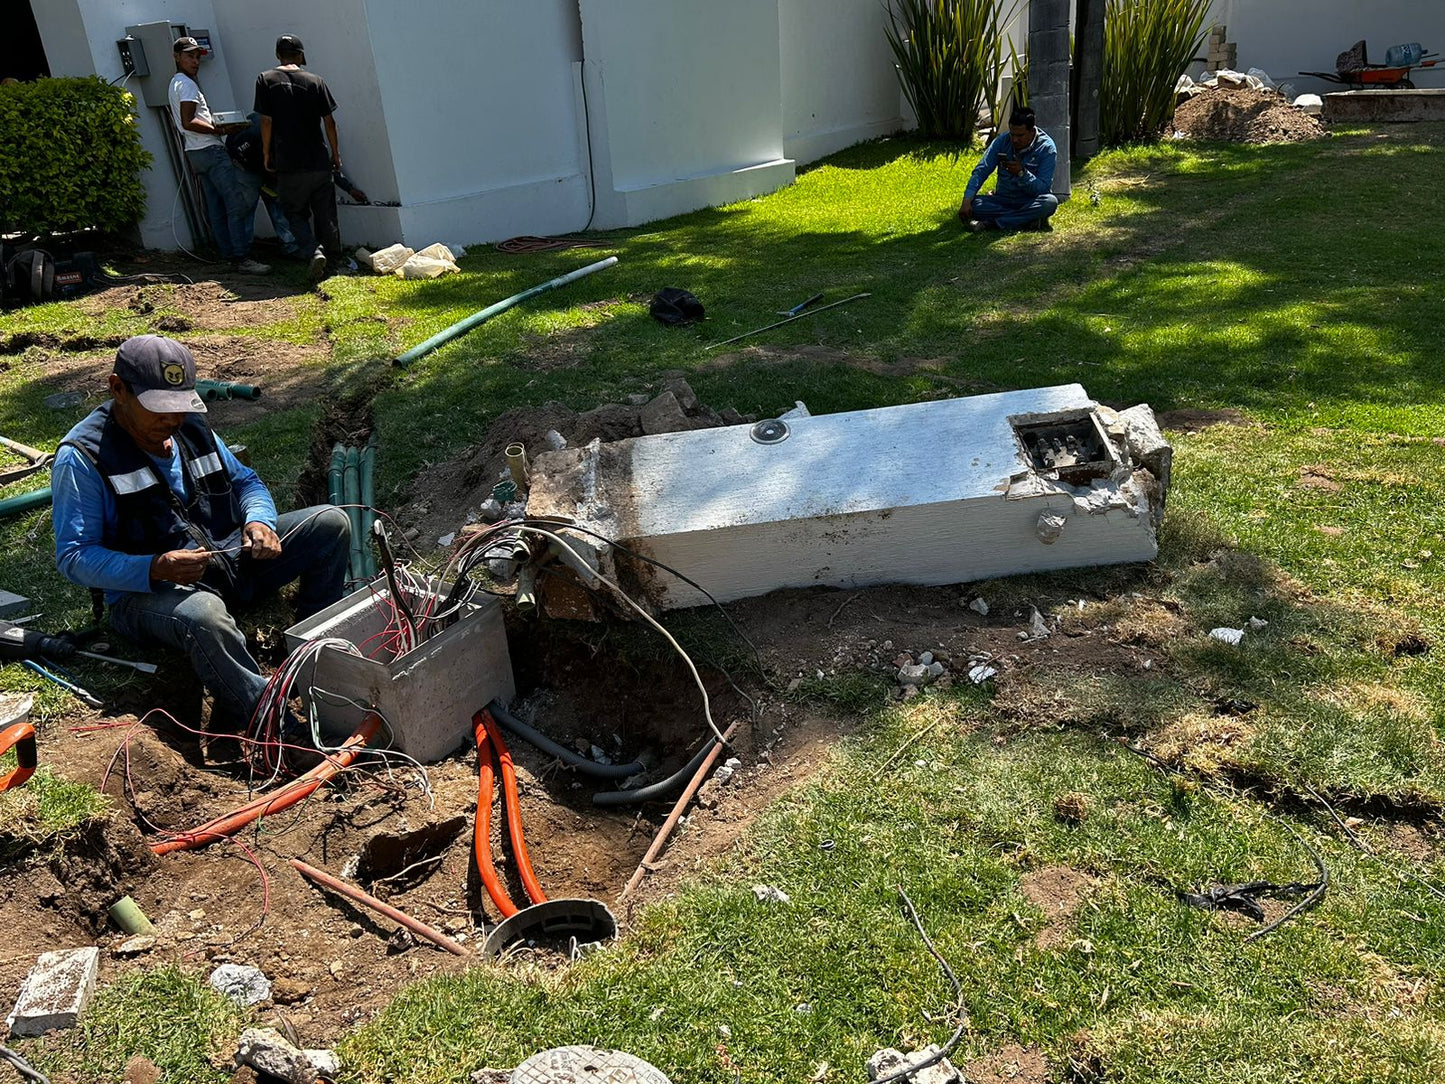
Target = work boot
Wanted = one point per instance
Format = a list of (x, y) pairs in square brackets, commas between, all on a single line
[(316, 268), (249, 266), (981, 225)]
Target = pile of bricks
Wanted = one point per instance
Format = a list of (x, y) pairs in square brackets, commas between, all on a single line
[(1222, 54)]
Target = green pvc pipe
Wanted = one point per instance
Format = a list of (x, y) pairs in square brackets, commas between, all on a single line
[(212, 390), (333, 474), (129, 917), (461, 327), (350, 492), (13, 506), (366, 497)]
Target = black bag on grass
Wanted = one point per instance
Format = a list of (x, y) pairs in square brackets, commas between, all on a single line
[(673, 306)]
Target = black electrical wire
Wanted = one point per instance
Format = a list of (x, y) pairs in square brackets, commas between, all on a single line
[(23, 1067), (562, 753), (911, 1067), (661, 787)]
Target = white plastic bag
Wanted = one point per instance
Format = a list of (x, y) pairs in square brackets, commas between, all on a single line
[(438, 251), (425, 267), (390, 259), (1261, 75)]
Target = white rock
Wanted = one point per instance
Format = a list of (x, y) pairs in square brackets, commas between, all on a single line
[(55, 992), (769, 894), (447, 539), (1227, 636), (936, 670), (1049, 527), (242, 984), (723, 774), (917, 674), (979, 606), (981, 673), (1038, 628), (1312, 104), (1254, 624), (267, 1051), (326, 1062), (888, 1061), (926, 658)]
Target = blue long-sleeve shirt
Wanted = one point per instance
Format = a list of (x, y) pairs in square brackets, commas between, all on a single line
[(1036, 178), (83, 506)]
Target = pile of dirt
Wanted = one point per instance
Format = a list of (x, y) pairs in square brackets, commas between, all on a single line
[(1230, 114)]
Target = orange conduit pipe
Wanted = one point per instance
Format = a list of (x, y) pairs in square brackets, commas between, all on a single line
[(293, 792), (482, 834), (514, 810)]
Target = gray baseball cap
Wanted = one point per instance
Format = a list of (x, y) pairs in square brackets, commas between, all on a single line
[(161, 373)]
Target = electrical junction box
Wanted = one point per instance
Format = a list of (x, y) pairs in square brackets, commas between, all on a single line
[(133, 57), (427, 696), (153, 41)]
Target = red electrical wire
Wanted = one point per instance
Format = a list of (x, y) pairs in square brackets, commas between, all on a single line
[(284, 798)]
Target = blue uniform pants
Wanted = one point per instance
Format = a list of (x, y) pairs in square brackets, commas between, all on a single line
[(1013, 213)]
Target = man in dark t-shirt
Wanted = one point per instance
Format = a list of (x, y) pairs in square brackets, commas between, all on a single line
[(295, 105)]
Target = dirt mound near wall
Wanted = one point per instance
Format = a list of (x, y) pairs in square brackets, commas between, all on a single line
[(1226, 114)]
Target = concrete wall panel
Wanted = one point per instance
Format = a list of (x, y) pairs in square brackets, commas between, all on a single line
[(839, 86)]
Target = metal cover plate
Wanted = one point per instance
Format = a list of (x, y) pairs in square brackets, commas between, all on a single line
[(585, 1065)]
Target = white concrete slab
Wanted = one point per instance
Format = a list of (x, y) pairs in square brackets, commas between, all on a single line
[(926, 493), (55, 992)]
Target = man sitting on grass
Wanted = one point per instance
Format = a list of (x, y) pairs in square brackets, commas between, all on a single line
[(1022, 200), (153, 509)]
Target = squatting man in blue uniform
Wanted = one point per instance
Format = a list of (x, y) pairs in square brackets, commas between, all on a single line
[(1023, 199), (153, 509)]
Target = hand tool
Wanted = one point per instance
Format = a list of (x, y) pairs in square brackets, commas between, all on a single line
[(789, 320), (801, 306)]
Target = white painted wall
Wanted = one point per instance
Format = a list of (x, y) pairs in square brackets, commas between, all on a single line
[(685, 102), (484, 117), (1288, 36), (839, 86)]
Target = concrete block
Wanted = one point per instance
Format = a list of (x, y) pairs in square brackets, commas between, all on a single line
[(12, 604), (1384, 106), (55, 992)]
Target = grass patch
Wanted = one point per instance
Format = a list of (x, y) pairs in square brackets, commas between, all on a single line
[(48, 808), (167, 1015)]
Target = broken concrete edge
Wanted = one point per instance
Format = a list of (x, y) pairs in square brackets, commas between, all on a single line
[(55, 992)]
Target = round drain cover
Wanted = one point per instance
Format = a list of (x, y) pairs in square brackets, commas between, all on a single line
[(585, 1065), (771, 431)]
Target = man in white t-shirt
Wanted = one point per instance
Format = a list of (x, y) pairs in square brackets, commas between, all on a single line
[(226, 204)]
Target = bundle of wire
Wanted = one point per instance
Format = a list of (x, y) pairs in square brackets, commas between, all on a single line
[(274, 728)]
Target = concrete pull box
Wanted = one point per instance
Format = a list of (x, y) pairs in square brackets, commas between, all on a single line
[(428, 695)]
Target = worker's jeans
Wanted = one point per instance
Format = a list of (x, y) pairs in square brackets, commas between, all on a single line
[(1010, 214), (232, 218), (315, 545), (252, 189), (309, 199)]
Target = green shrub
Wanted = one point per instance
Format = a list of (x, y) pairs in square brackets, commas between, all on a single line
[(1147, 46), (70, 157), (950, 57)]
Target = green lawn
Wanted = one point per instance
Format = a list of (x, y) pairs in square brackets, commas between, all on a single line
[(1211, 278)]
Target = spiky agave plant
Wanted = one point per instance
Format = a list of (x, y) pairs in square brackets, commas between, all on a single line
[(1147, 46), (950, 56)]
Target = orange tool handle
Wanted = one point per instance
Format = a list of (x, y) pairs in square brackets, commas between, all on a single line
[(21, 738)]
